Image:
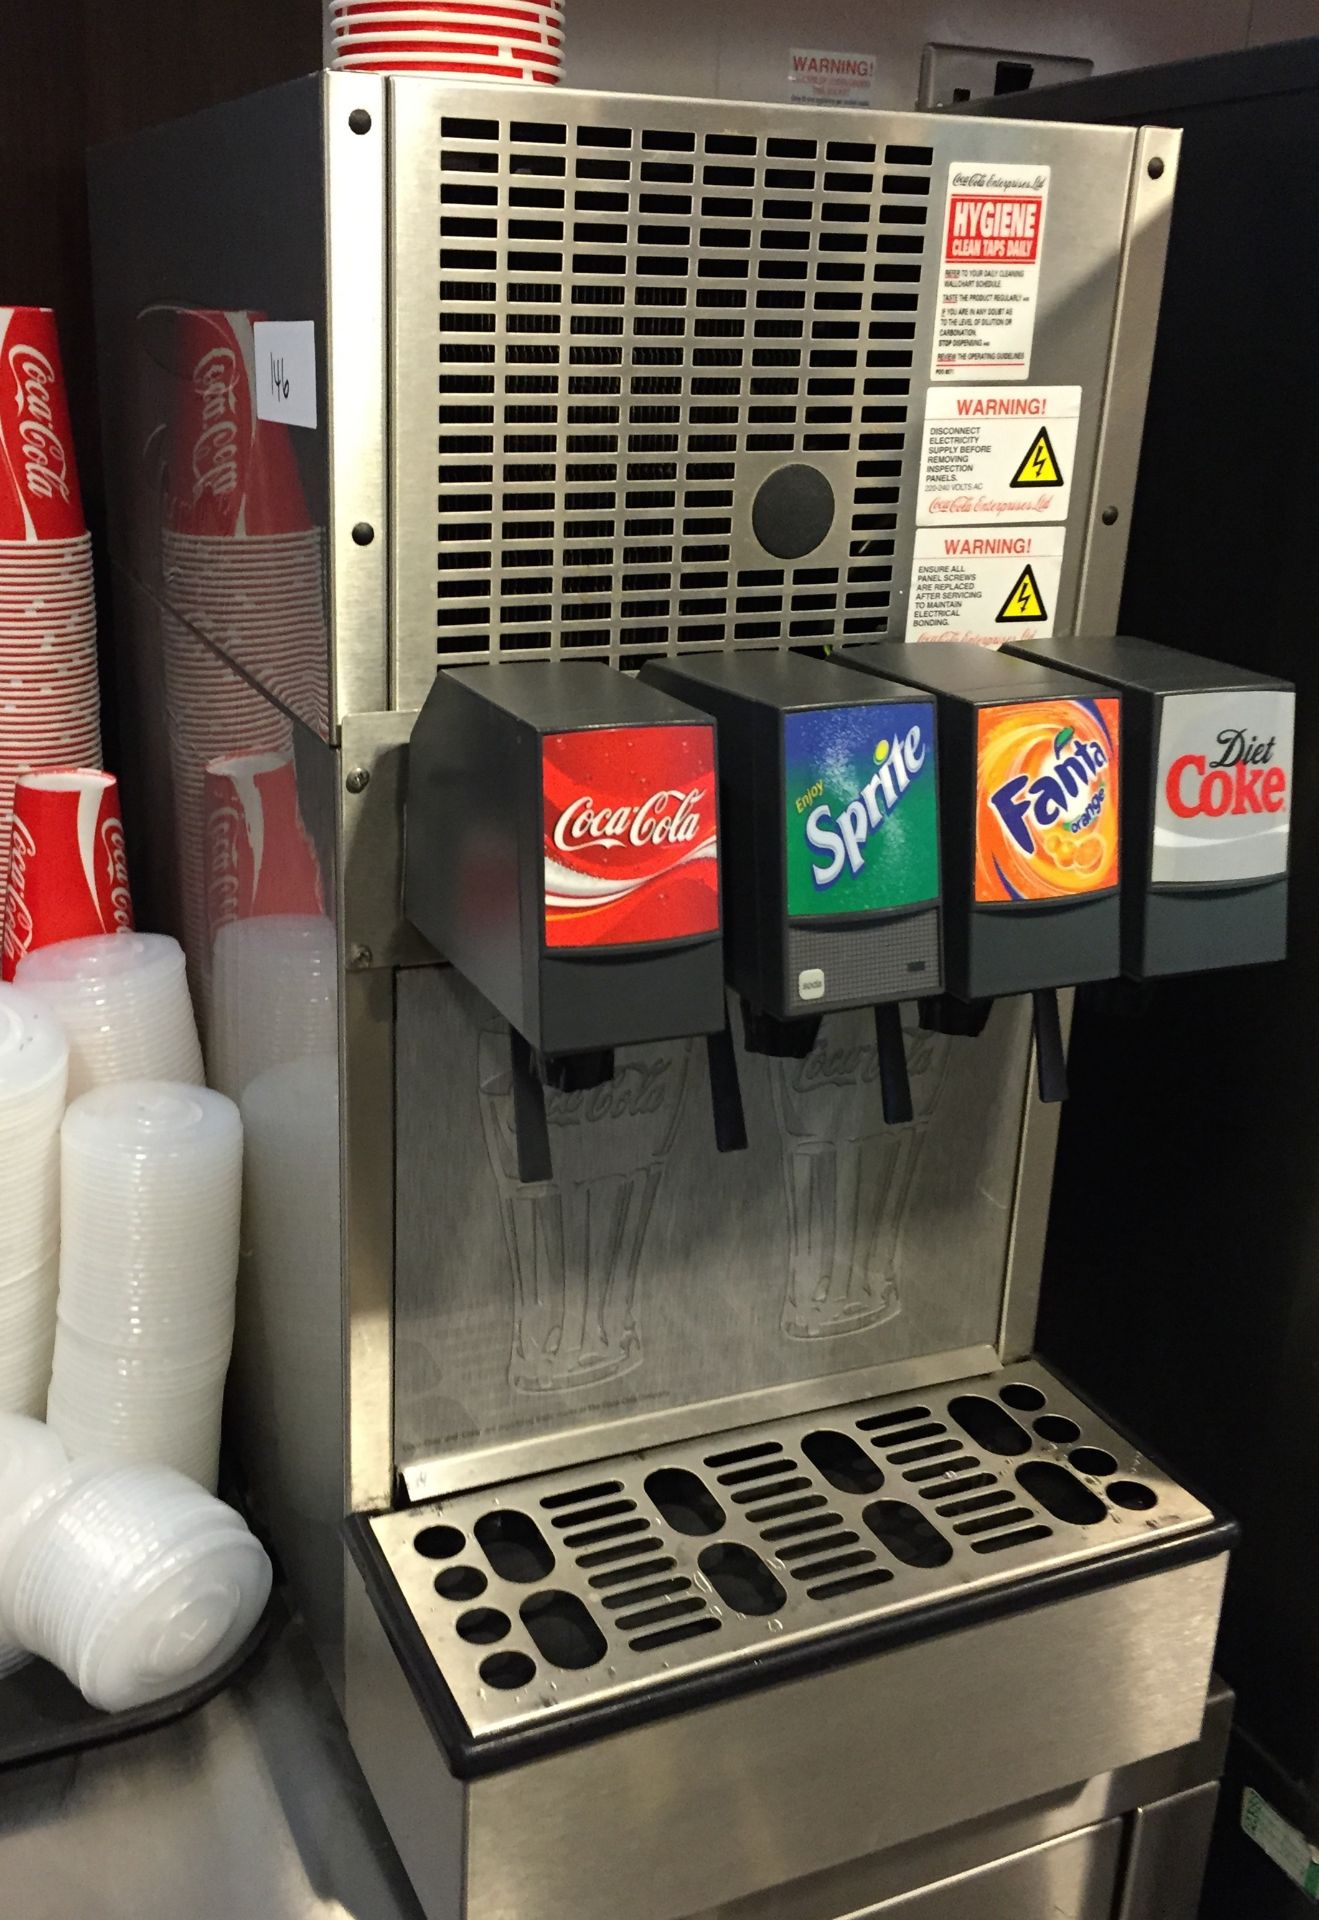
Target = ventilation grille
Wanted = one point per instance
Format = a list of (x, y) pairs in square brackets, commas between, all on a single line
[(636, 327), (556, 1594)]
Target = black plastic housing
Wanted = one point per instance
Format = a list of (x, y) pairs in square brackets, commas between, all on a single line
[(475, 872), (1222, 919), (793, 966), (1015, 945)]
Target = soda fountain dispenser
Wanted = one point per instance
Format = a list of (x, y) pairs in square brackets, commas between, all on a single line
[(1206, 802), (1030, 831), (670, 1499), (839, 908), (563, 853)]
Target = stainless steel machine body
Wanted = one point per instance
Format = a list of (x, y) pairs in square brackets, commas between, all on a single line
[(557, 343)]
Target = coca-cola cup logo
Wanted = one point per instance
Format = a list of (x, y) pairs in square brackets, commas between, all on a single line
[(45, 457), (19, 926), (215, 451), (118, 897), (225, 834)]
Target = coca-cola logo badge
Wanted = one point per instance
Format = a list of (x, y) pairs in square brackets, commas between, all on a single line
[(1222, 808), (631, 842)]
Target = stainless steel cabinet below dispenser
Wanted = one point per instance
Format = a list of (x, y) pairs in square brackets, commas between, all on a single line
[(685, 1533)]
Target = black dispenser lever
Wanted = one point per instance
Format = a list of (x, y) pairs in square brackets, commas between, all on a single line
[(1050, 1056)]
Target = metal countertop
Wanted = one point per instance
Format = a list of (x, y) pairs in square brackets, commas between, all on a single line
[(250, 1808)]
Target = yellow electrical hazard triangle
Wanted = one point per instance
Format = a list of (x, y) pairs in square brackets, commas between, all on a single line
[(1040, 467), (1024, 602)]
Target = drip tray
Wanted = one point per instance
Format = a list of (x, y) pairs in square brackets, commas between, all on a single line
[(758, 1552)]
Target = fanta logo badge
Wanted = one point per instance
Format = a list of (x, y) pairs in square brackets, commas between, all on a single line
[(1069, 794)]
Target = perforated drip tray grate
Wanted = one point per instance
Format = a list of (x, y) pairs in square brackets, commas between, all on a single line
[(553, 1596)]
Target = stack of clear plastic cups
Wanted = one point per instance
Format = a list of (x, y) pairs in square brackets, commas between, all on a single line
[(30, 1456), (287, 1304), (151, 1196), (131, 1580), (122, 999), (274, 984), (34, 1066)]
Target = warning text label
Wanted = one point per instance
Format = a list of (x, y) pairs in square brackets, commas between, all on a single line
[(989, 270), (985, 587), (987, 454)]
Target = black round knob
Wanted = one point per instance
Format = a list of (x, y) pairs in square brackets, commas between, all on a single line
[(793, 512)]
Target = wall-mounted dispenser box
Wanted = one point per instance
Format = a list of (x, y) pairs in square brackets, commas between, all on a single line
[(829, 810), (830, 819), (562, 852), (1029, 809), (1206, 802)]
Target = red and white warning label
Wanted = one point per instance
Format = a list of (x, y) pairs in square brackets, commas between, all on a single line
[(986, 584), (989, 271), (820, 75), (997, 454)]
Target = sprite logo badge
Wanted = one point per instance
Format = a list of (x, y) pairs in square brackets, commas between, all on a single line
[(862, 822)]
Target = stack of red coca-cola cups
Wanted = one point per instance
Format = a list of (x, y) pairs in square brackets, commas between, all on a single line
[(241, 560), (242, 564), (509, 42), (49, 701)]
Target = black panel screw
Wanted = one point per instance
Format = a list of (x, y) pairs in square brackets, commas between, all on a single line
[(360, 122), (1109, 516), (364, 533), (358, 780), (1155, 168)]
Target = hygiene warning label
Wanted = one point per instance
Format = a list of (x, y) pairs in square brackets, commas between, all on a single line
[(989, 271), (997, 453), (985, 586)]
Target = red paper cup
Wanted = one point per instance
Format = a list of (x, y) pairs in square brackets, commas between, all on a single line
[(259, 859), (229, 473), (68, 874), (419, 41), (403, 63), (39, 496), (448, 10)]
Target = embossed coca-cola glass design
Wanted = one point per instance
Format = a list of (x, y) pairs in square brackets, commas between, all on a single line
[(575, 1243), (848, 1176)]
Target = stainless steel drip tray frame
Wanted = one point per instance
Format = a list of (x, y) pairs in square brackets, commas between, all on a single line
[(545, 1612)]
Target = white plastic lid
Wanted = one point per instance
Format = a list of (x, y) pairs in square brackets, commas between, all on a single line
[(33, 1050), (152, 1117), (99, 956)]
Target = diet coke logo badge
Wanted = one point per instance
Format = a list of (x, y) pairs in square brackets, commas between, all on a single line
[(1223, 792)]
